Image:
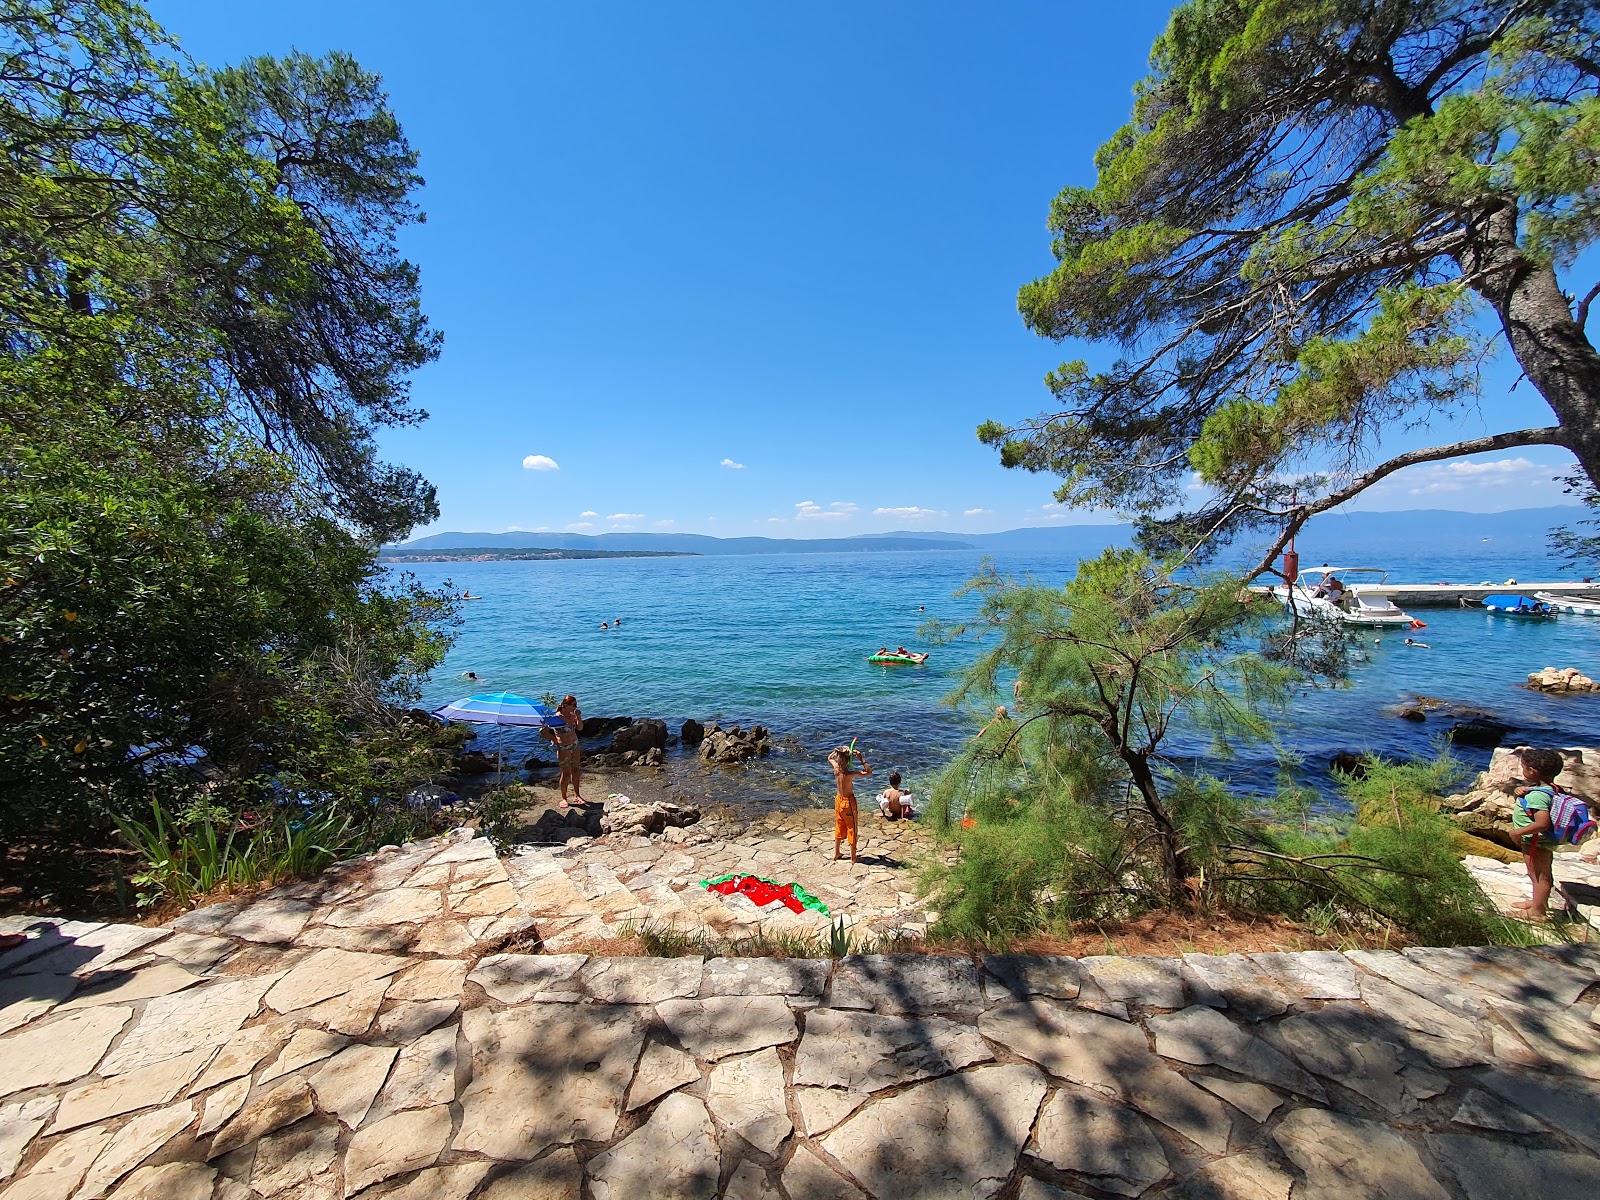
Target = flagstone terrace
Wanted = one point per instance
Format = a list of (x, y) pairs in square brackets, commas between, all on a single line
[(376, 1032)]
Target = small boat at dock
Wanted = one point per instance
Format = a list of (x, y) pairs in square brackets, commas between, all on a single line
[(1521, 608), (1579, 606), (1330, 592)]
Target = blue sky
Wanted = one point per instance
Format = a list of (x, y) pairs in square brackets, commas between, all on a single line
[(752, 268)]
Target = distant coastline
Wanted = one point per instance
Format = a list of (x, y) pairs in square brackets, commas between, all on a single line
[(392, 554)]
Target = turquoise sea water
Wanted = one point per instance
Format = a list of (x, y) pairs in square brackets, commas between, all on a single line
[(781, 640)]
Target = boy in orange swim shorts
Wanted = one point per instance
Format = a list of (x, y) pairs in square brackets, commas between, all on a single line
[(844, 799)]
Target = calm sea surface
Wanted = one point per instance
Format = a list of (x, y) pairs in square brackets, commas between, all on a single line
[(781, 640)]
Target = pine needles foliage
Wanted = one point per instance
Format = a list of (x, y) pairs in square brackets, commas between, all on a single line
[(1068, 812)]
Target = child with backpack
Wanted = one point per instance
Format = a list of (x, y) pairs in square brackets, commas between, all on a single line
[(1543, 815)]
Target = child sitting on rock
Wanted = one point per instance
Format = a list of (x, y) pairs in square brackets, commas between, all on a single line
[(894, 803), (1531, 827)]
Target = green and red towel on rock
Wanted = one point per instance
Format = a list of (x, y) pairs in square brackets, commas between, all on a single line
[(763, 892)]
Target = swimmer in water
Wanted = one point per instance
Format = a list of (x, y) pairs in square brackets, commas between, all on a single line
[(472, 675), (1418, 645)]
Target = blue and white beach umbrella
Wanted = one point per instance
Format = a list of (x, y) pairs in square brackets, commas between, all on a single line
[(500, 708)]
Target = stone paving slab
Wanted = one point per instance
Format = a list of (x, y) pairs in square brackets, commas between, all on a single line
[(243, 1057)]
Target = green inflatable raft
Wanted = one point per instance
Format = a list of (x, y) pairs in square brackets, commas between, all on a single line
[(905, 660)]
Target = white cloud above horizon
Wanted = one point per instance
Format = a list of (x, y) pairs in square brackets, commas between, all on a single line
[(731, 465), (539, 462), (626, 517), (580, 526), (668, 523), (839, 510), (909, 512), (583, 516), (977, 512)]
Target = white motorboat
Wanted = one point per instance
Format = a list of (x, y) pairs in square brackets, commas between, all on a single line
[(1354, 595), (1580, 606)]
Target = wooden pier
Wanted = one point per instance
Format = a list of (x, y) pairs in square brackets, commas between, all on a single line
[(1450, 595)]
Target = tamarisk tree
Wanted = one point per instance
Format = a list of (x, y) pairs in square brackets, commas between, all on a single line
[(1319, 220)]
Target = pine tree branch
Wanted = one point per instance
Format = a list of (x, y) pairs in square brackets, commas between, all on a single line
[(1550, 435)]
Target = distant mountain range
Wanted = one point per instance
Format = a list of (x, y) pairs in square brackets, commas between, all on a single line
[(1367, 536)]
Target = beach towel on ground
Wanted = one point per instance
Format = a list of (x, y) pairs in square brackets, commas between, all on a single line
[(763, 892)]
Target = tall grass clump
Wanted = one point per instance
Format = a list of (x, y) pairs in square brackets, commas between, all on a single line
[(205, 849), (1069, 811)]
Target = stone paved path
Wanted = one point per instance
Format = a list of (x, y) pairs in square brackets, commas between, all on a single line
[(361, 1036), (1507, 883), (587, 891)]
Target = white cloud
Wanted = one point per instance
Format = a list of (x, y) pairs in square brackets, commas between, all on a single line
[(1477, 475), (809, 510), (731, 465), (626, 517), (580, 526), (775, 520), (513, 528), (586, 515), (541, 529), (539, 462), (909, 513), (977, 512), (667, 524)]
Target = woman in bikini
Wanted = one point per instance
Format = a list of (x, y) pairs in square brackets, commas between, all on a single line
[(568, 756)]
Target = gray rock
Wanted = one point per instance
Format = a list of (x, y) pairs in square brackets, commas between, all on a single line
[(804, 977), (19, 1123), (207, 1015), (1247, 1176), (1234, 982), (546, 1074), (808, 1176), (125, 987), (1483, 1111), (1038, 1189), (1257, 1102), (1490, 1170), (914, 983), (1440, 1035), (329, 973), (101, 1099), (957, 1137), (25, 997), (282, 1104), (823, 1108), (1079, 1131), (661, 1069), (273, 920), (747, 1096), (673, 1155), (719, 1026), (1570, 1105), (424, 1075), (293, 1159), (346, 1085), (865, 1052), (1525, 976), (1344, 1043), (1150, 982), (395, 1146), (170, 1181), (1102, 1052), (1403, 972), (1345, 1158), (1204, 1037), (642, 980), (1313, 974), (519, 978), (556, 1176), (60, 1051), (1023, 976)]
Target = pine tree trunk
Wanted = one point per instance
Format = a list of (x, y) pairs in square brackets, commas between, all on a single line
[(1174, 862), (1550, 347)]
